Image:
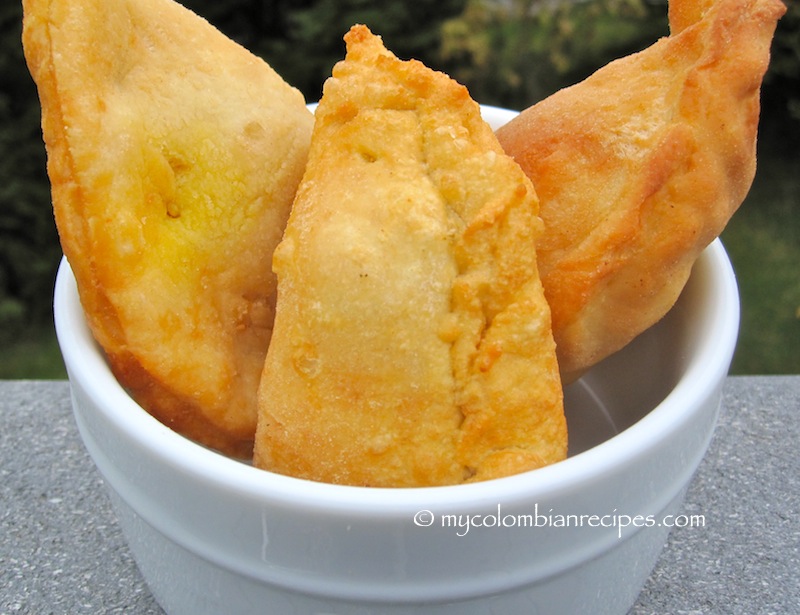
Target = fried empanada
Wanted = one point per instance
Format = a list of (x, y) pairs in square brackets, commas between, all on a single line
[(174, 155), (412, 342), (639, 167)]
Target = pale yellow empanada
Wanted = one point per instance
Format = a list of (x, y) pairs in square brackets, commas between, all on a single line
[(174, 155), (412, 342)]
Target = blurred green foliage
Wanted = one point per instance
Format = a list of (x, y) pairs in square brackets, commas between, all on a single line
[(783, 78), (763, 242), (508, 52), (515, 53), (302, 39), (29, 248)]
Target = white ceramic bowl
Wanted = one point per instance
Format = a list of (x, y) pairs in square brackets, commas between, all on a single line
[(213, 535)]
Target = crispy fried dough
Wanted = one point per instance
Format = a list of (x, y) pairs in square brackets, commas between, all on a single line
[(412, 342), (174, 155), (639, 167)]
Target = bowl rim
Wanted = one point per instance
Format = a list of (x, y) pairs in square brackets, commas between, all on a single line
[(86, 365)]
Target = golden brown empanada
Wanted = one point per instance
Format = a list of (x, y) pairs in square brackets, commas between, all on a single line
[(639, 168), (412, 342), (174, 155)]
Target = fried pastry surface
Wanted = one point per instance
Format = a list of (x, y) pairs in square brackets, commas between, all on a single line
[(174, 155), (639, 167), (412, 342)]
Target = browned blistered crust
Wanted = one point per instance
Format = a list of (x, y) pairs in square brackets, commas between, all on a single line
[(639, 167)]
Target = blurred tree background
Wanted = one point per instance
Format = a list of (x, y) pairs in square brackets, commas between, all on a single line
[(510, 53)]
